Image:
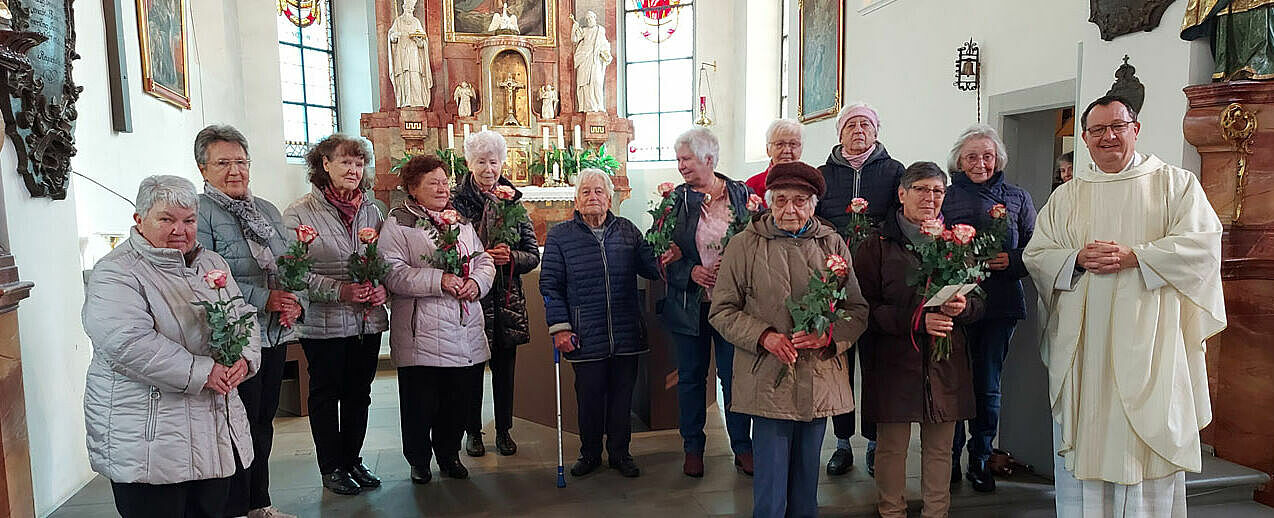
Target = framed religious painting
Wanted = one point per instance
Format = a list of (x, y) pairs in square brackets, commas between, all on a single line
[(474, 20), (161, 27), (820, 57)]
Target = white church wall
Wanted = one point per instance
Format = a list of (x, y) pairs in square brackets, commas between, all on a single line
[(234, 79)]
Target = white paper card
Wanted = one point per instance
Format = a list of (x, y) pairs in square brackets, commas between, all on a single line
[(949, 292)]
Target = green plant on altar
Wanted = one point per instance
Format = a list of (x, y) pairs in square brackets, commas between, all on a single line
[(571, 161), (449, 156)]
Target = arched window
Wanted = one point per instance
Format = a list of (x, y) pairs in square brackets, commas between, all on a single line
[(307, 70), (659, 75)]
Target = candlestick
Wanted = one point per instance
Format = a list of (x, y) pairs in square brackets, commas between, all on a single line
[(579, 141), (451, 136), (561, 143)]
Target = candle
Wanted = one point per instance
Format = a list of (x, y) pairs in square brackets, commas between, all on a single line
[(546, 137), (451, 136), (557, 173), (579, 141), (561, 144), (466, 134), (484, 127)]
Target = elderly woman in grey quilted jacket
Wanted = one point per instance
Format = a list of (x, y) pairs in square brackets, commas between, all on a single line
[(248, 233), (165, 423), (343, 319)]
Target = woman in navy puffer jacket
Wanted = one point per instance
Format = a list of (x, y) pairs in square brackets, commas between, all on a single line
[(588, 278), (977, 183)]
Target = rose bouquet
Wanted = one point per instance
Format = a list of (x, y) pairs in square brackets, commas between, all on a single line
[(449, 254), (992, 240), (859, 226), (665, 215), (816, 311), (228, 334), (948, 259), (367, 267), (508, 214), (296, 264)]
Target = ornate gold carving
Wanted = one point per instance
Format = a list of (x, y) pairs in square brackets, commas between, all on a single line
[(1238, 126)]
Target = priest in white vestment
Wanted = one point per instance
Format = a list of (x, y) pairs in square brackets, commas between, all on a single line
[(1127, 260)]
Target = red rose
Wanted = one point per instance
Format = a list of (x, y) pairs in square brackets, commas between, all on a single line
[(505, 193), (932, 228), (665, 189), (306, 234), (838, 265), (449, 217), (998, 211), (963, 234), (754, 203), (367, 235), (947, 235), (858, 206), (216, 279)]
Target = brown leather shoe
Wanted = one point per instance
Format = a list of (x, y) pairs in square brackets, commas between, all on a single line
[(743, 462), (693, 466)]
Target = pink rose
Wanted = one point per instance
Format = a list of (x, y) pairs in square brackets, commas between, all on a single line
[(449, 217), (947, 235), (932, 227), (838, 265), (963, 234), (665, 189), (505, 193), (754, 203), (306, 234), (367, 235), (998, 211), (858, 206), (216, 279)]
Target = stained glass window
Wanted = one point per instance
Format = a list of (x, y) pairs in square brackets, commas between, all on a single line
[(659, 75), (307, 70)]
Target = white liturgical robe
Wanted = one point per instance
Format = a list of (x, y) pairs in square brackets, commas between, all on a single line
[(1125, 351)]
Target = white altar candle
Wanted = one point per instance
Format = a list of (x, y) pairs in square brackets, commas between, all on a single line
[(561, 144), (484, 127), (579, 141), (557, 171), (546, 137), (451, 136), (466, 134)]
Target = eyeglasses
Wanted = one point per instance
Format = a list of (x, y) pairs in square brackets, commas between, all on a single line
[(791, 144), (243, 165), (1117, 127), (798, 201), (936, 192)]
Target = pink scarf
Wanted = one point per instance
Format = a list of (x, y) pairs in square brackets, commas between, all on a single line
[(857, 161), (347, 206)]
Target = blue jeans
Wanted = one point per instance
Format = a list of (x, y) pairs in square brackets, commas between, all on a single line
[(787, 464), (693, 354), (988, 343)]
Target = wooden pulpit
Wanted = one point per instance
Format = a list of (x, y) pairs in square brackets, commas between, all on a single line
[(16, 494)]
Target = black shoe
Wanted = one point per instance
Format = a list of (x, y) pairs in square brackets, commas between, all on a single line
[(625, 466), (584, 466), (421, 476), (475, 447), (453, 469), (871, 460), (841, 461), (982, 480), (956, 476), (341, 483), (364, 476), (504, 444)]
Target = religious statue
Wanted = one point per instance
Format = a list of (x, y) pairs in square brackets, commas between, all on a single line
[(409, 59), (503, 22), (592, 55), (6, 16), (510, 86), (1242, 42), (464, 99), (548, 102)]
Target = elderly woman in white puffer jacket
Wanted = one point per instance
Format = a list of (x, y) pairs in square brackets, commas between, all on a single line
[(437, 332), (165, 423)]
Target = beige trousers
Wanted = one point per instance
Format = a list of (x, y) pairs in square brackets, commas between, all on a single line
[(892, 440)]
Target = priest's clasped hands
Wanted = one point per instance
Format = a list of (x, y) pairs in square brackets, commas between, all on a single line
[(1106, 257)]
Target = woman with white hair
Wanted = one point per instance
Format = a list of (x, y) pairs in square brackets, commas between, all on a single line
[(784, 141), (343, 319), (710, 203), (165, 423), (589, 284), (858, 167), (481, 198), (977, 164)]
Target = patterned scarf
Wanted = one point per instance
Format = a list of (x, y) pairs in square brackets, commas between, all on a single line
[(347, 206), (253, 223)]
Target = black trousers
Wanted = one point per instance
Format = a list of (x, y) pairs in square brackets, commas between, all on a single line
[(341, 374), (250, 488), (843, 424), (502, 362), (194, 499), (434, 403), (604, 392)]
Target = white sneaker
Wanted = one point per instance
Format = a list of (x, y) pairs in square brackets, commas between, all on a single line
[(269, 512)]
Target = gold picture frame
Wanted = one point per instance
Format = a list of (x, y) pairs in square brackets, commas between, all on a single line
[(161, 28), (454, 31), (815, 20)]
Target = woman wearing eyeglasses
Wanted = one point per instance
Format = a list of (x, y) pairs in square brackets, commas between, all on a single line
[(977, 164)]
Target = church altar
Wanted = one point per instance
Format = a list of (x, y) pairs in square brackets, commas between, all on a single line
[(521, 77)]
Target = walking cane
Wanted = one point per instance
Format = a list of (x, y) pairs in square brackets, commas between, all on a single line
[(557, 376)]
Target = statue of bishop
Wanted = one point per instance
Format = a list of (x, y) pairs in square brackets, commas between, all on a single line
[(409, 59)]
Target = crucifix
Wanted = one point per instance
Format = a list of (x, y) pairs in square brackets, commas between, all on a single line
[(510, 86)]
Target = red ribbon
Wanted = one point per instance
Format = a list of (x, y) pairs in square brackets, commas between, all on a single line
[(918, 315)]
